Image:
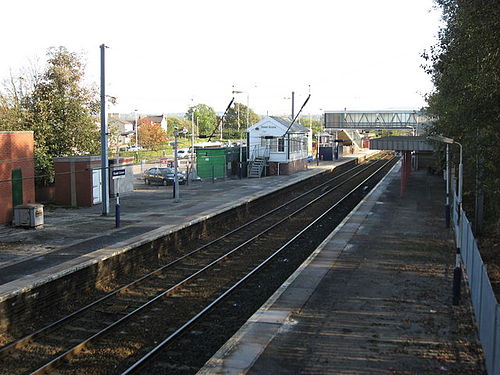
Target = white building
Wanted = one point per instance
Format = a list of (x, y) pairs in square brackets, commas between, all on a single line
[(283, 148)]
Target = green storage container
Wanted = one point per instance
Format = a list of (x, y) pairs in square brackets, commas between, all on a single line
[(211, 162)]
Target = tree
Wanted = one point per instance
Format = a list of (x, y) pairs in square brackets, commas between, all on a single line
[(58, 108), (204, 116), (179, 123), (232, 127), (314, 124), (465, 69), (151, 135)]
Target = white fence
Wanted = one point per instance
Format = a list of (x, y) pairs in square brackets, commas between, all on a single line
[(484, 302)]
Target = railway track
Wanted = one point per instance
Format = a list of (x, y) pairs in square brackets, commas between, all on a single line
[(123, 331)]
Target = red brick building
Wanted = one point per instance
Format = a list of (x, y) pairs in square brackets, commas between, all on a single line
[(17, 171)]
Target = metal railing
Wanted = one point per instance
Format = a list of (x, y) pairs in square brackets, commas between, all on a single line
[(484, 302), (258, 151)]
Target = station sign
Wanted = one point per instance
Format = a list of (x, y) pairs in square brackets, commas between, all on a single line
[(118, 173)]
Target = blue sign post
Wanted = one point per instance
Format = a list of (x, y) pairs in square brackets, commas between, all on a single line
[(117, 174)]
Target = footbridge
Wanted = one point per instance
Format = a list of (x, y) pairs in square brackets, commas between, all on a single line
[(376, 120), (352, 121)]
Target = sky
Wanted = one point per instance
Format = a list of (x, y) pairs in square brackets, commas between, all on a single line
[(164, 55)]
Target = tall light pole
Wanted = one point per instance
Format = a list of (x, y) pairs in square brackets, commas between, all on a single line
[(176, 177), (104, 139), (192, 136), (239, 132), (136, 130), (457, 272)]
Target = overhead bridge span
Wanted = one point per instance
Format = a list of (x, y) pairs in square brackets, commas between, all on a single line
[(370, 120)]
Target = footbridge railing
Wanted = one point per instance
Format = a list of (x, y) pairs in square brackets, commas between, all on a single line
[(354, 136)]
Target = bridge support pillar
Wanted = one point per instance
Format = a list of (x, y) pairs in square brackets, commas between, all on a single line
[(405, 170)]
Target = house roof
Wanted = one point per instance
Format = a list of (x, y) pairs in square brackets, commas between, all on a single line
[(296, 128), (155, 119)]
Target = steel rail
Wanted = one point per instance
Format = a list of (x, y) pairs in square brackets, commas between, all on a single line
[(74, 350), (142, 361), (54, 325)]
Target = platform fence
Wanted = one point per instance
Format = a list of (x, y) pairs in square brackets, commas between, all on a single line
[(484, 303)]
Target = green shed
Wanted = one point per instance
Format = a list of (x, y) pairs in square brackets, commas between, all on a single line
[(211, 162), (220, 162)]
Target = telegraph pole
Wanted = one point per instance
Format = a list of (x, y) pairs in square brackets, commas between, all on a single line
[(104, 141)]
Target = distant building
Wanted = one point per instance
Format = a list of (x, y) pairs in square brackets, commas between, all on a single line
[(122, 132), (151, 120), (285, 148)]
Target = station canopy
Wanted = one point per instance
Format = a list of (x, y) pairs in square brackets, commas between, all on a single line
[(402, 144)]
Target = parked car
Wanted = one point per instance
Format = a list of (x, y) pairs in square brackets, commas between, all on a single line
[(134, 148), (183, 153), (163, 176)]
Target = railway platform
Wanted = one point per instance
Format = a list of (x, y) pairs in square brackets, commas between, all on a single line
[(72, 239), (374, 298)]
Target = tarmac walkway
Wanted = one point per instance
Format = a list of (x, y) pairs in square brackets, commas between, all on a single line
[(72, 238), (374, 298)]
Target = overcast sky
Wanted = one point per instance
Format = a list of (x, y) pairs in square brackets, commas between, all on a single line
[(356, 54)]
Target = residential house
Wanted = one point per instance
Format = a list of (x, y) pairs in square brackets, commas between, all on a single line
[(160, 119)]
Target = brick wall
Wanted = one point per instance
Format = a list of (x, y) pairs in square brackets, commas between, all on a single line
[(287, 168), (16, 152)]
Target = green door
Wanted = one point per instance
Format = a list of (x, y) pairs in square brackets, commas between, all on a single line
[(17, 187)]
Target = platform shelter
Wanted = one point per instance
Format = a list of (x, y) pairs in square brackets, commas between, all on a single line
[(415, 151)]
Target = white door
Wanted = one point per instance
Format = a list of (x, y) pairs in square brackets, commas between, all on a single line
[(96, 186)]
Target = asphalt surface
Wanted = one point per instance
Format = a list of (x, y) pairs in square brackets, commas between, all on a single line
[(375, 298)]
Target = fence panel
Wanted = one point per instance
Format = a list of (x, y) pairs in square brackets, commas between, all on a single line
[(487, 320), (496, 350), (484, 302), (476, 285), (470, 239)]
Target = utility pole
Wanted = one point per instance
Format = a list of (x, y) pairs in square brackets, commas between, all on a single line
[(293, 103), (104, 140)]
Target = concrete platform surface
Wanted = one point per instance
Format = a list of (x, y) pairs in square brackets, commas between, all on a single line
[(73, 238), (374, 298)]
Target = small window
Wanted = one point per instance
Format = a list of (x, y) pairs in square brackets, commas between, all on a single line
[(281, 144)]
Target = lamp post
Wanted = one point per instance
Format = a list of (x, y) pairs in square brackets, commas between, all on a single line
[(104, 138), (192, 138), (457, 273), (234, 92), (176, 177), (136, 130)]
